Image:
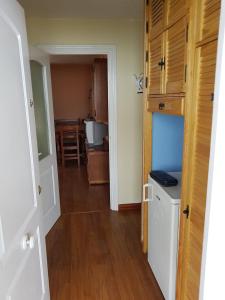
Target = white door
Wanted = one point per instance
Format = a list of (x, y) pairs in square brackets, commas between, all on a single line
[(23, 264), (43, 108)]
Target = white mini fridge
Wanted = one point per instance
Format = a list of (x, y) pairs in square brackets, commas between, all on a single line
[(163, 230)]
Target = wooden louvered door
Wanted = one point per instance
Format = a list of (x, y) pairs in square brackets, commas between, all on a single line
[(156, 18), (206, 56), (199, 117), (176, 44), (175, 11), (156, 71)]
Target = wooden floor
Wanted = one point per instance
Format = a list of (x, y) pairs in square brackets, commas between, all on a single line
[(94, 253)]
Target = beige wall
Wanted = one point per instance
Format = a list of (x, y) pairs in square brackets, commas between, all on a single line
[(126, 35), (71, 84)]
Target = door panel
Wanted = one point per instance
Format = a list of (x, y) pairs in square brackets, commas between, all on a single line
[(40, 109), (156, 17), (156, 72), (210, 18), (35, 290), (47, 184), (176, 58), (206, 78), (19, 175), (175, 10), (44, 117), (20, 154)]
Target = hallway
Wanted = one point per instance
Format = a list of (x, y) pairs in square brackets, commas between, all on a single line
[(94, 253)]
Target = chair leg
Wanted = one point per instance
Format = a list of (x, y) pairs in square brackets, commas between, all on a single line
[(78, 156), (78, 149), (63, 159)]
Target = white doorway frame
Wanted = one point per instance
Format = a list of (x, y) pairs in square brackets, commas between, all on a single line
[(110, 52)]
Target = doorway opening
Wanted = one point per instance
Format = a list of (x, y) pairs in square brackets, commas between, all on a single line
[(108, 52), (80, 100)]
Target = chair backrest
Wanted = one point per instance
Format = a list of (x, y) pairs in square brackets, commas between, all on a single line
[(70, 134)]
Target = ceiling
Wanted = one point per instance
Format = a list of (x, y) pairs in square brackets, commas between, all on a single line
[(74, 59), (84, 8)]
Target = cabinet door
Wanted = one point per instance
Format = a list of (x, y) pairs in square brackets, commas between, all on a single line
[(156, 71), (210, 18), (100, 92), (176, 44), (200, 163), (157, 8), (175, 11)]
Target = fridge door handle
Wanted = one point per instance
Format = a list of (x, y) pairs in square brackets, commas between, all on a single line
[(148, 187)]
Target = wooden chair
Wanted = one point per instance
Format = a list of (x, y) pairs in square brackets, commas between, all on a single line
[(70, 144)]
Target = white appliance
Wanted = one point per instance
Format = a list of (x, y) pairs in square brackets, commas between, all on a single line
[(95, 132), (163, 226)]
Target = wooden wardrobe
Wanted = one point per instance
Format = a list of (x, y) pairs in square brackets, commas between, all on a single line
[(180, 60)]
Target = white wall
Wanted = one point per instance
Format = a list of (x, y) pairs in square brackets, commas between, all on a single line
[(127, 36)]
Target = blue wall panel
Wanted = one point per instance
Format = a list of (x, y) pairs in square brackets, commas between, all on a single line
[(167, 139)]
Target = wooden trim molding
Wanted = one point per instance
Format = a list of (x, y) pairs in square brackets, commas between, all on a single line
[(129, 206)]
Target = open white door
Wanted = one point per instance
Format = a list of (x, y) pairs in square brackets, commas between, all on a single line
[(43, 108), (23, 264)]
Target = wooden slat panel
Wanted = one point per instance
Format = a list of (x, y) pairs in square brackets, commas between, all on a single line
[(176, 9), (156, 74), (176, 57), (156, 17), (202, 137), (210, 18)]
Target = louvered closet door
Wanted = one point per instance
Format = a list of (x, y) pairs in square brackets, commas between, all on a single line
[(210, 18), (156, 17), (176, 45), (156, 72), (176, 9), (202, 137)]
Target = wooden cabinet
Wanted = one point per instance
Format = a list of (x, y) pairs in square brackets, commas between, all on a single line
[(175, 57), (187, 52), (98, 166), (156, 18), (168, 62), (100, 91), (168, 39), (163, 14)]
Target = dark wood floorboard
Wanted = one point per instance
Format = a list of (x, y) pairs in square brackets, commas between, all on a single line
[(77, 195), (94, 253)]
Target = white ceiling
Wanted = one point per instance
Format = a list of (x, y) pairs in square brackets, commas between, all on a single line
[(84, 8), (74, 59)]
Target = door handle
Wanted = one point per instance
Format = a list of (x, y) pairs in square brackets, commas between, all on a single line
[(162, 63), (157, 197), (28, 241), (147, 185), (161, 106), (186, 211), (39, 189)]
